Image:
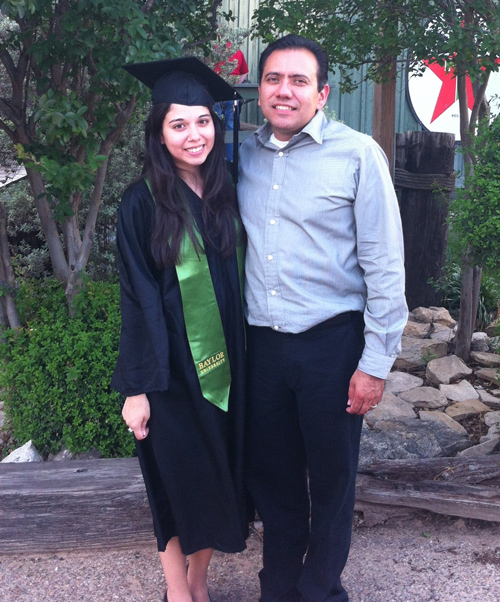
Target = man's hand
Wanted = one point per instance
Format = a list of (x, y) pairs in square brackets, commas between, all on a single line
[(136, 414), (365, 392)]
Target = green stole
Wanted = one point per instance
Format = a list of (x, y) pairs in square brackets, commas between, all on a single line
[(203, 321)]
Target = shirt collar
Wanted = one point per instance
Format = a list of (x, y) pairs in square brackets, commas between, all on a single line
[(315, 129)]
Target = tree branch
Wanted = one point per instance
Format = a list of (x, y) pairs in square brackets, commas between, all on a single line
[(478, 100), (212, 30), (10, 133), (121, 121), (58, 259)]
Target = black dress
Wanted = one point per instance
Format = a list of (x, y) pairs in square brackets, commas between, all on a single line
[(192, 459)]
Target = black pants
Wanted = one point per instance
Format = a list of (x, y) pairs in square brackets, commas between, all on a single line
[(299, 427)]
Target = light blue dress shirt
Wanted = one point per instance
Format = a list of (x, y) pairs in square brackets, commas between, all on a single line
[(324, 235)]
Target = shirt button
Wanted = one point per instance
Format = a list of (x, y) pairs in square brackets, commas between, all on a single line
[(273, 293), (275, 187), (272, 222), (276, 327), (280, 154), (270, 257)]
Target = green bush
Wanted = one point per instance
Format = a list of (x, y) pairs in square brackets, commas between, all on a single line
[(475, 214), (57, 371), (489, 296)]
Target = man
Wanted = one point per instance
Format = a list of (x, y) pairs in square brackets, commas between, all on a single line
[(326, 310)]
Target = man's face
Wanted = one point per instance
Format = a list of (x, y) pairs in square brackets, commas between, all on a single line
[(288, 91)]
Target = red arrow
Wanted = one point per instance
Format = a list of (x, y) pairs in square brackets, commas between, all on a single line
[(448, 93)]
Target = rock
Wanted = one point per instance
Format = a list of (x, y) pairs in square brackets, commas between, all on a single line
[(442, 333), (493, 329), (493, 431), (423, 314), (451, 441), (492, 418), (25, 453), (488, 360), (489, 399), (401, 381), (480, 342), (424, 397), (415, 353), (459, 392), (463, 409), (61, 456), (489, 374), (417, 330), (443, 419), (434, 315), (2, 418), (482, 449), (442, 316), (446, 370), (404, 439), (390, 407), (395, 443), (92, 454), (494, 346)]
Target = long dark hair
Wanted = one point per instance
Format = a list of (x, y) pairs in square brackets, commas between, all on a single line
[(173, 218)]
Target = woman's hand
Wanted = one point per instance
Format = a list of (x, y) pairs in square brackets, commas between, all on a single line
[(136, 414)]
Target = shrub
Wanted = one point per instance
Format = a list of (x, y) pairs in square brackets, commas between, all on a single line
[(58, 369), (489, 296), (475, 214)]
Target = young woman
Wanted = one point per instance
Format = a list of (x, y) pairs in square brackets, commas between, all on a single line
[(181, 354)]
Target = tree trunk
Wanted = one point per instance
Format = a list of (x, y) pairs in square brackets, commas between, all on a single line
[(7, 273), (476, 289), (49, 227), (3, 319), (471, 277), (73, 286), (82, 246), (466, 318)]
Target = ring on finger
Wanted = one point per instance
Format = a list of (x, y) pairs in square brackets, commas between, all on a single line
[(130, 430), (373, 407)]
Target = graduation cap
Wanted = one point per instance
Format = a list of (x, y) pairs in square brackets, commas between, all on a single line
[(187, 81)]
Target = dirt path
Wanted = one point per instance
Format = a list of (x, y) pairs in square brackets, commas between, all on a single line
[(422, 559)]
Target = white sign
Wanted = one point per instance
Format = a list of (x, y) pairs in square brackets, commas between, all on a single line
[(434, 99)]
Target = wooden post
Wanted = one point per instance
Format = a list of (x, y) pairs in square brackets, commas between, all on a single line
[(384, 115), (425, 177)]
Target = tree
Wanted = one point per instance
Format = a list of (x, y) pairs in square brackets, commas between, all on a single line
[(64, 100), (475, 220), (462, 35)]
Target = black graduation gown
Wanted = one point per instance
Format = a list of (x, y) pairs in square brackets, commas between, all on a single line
[(192, 459)]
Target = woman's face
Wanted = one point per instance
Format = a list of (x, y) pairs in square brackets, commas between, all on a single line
[(188, 133)]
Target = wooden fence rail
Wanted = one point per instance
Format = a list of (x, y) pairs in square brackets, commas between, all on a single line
[(102, 504)]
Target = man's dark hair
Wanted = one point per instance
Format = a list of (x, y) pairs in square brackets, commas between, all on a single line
[(294, 42)]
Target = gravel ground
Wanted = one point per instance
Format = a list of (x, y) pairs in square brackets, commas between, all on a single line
[(418, 559)]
